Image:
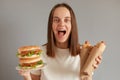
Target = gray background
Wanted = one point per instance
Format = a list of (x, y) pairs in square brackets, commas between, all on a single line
[(24, 22)]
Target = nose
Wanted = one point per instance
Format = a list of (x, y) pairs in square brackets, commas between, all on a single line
[(62, 23)]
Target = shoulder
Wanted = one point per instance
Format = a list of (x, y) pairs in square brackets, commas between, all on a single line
[(43, 47), (79, 46), (44, 50)]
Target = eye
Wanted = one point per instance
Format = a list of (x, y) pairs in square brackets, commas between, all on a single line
[(67, 20), (56, 20)]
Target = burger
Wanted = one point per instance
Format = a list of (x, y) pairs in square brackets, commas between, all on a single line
[(29, 57)]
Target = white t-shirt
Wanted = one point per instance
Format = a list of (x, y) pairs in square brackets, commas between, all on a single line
[(62, 67)]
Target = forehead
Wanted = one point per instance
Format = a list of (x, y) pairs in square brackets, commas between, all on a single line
[(61, 12)]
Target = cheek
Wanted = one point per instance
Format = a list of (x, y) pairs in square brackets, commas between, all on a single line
[(54, 28), (69, 29)]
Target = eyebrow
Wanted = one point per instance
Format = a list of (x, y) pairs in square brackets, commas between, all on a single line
[(58, 17)]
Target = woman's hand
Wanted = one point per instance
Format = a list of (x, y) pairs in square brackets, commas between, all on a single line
[(98, 60), (25, 74)]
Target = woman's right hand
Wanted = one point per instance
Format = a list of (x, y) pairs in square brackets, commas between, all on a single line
[(25, 74)]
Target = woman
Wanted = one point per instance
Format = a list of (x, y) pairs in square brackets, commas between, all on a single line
[(61, 53)]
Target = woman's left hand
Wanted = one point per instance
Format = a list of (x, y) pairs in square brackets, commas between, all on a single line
[(98, 60)]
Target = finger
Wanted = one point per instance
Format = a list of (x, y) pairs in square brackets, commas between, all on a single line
[(98, 61), (21, 73), (95, 66), (24, 72), (100, 57)]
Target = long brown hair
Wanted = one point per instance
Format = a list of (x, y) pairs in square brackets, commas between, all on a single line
[(73, 39)]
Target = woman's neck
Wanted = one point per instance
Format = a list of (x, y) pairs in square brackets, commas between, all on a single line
[(62, 45)]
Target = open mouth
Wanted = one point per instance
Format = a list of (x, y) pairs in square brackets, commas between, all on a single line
[(61, 32)]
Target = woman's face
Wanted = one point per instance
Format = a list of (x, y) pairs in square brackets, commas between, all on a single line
[(61, 24)]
